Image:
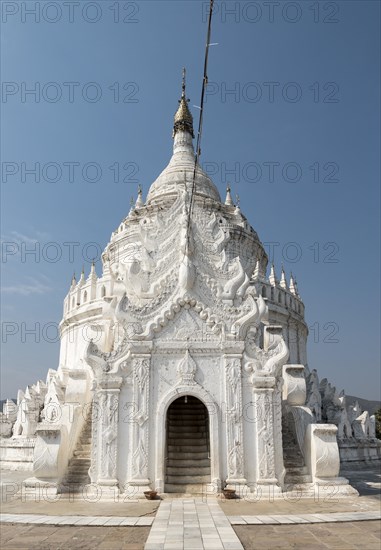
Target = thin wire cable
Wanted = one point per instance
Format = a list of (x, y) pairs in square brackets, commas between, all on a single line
[(200, 120)]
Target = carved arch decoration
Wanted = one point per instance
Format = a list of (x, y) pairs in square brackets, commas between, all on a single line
[(168, 314)]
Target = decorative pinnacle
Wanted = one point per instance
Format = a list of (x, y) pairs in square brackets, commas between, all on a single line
[(183, 116), (292, 284), (228, 200), (272, 277), (283, 282), (93, 273), (139, 201)]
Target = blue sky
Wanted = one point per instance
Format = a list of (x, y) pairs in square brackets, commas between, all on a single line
[(305, 105)]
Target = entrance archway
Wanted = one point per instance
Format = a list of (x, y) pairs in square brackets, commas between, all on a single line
[(187, 448)]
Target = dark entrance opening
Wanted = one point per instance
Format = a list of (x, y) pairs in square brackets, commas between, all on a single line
[(187, 446)]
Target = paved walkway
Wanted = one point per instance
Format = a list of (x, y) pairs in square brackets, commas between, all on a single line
[(185, 524), (95, 521), (192, 513), (304, 518)]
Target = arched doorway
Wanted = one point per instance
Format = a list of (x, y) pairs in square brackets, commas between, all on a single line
[(187, 446)]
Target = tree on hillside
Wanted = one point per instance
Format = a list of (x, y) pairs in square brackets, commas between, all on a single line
[(377, 414)]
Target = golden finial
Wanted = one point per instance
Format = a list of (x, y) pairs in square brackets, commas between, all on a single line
[(183, 116)]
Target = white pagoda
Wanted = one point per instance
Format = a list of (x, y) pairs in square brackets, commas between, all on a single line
[(183, 368)]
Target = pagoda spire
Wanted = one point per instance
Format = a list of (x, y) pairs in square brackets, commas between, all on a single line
[(183, 117), (228, 200), (292, 285), (93, 273), (82, 278), (256, 274), (139, 201), (283, 282), (272, 278), (73, 281)]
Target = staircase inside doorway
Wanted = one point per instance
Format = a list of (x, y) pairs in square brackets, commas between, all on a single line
[(187, 449)]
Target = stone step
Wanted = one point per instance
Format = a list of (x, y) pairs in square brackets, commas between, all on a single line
[(79, 468), (298, 470), (79, 460), (294, 464), (291, 465), (187, 429), (191, 456), (306, 489), (291, 451), (84, 441), (74, 475), (185, 480), (188, 471), (186, 438), (185, 445), (76, 479), (290, 479), (191, 420), (192, 488), (85, 463), (187, 463), (83, 454)]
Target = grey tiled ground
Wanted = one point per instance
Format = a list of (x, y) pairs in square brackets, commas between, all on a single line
[(50, 537), (182, 524), (361, 535)]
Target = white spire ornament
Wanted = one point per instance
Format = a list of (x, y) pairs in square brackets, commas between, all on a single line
[(228, 200), (272, 277), (139, 201), (283, 282), (292, 285)]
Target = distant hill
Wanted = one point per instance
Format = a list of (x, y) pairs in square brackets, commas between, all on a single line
[(3, 401), (365, 404)]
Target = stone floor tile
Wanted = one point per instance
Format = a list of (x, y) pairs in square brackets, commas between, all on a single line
[(251, 520), (238, 519), (266, 520), (112, 522), (144, 521), (283, 519), (99, 521)]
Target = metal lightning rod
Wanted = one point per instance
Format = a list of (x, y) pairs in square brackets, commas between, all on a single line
[(199, 132)]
